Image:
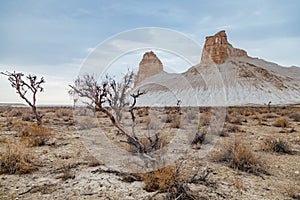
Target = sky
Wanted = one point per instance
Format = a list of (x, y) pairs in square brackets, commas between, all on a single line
[(53, 38)]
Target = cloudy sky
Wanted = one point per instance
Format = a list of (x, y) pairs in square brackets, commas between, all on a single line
[(53, 37)]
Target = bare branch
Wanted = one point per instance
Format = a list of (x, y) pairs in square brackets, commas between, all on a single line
[(33, 84)]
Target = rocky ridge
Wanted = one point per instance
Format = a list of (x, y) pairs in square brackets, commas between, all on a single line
[(217, 49), (149, 66), (226, 76)]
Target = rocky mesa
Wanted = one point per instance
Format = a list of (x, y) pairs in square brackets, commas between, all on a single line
[(226, 76), (149, 66), (217, 49)]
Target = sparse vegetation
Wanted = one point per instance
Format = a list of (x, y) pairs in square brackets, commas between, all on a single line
[(33, 135), (292, 191), (239, 155), (67, 172), (32, 85), (282, 122), (295, 117), (96, 95), (276, 144), (161, 179), (65, 160), (15, 159)]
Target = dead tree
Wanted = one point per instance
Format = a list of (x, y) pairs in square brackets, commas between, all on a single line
[(97, 95), (269, 105), (118, 93), (131, 110), (30, 85)]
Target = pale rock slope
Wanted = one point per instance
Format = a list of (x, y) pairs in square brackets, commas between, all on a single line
[(226, 76)]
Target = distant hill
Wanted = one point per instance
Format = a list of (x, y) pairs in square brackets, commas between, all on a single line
[(226, 76), (13, 105)]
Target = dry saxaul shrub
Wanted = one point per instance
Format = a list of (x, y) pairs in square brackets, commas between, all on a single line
[(276, 144), (282, 122), (15, 112), (176, 123), (143, 111), (174, 120), (160, 180), (14, 159), (34, 135), (240, 156), (84, 123), (63, 112), (292, 191), (205, 119), (67, 172), (295, 117)]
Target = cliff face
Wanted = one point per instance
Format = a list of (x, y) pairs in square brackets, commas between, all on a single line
[(226, 76), (149, 66), (217, 49)]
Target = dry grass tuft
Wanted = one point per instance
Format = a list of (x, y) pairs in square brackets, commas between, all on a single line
[(34, 135), (292, 191), (205, 119), (14, 159), (63, 112), (239, 184), (230, 128), (240, 156), (295, 117), (236, 120), (160, 180), (174, 120), (67, 172), (86, 123), (142, 112), (276, 144), (282, 122)]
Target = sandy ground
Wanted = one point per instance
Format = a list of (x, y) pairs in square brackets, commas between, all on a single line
[(82, 153)]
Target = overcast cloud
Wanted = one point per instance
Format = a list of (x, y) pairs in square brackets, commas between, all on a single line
[(52, 37)]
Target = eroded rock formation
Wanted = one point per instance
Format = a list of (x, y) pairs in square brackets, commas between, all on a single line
[(217, 49), (149, 66)]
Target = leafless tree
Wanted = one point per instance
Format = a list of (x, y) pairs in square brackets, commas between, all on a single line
[(96, 95), (30, 85), (119, 91)]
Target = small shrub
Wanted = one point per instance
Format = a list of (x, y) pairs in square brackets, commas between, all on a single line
[(236, 120), (159, 180), (14, 159), (147, 120), (176, 123), (34, 135), (153, 125), (199, 138), (191, 116), (224, 133), (205, 119), (282, 122), (27, 118), (174, 120), (292, 191), (239, 184), (92, 161), (15, 113), (169, 118), (141, 112), (240, 156), (295, 117), (270, 116), (66, 172), (63, 112), (276, 144), (232, 128), (86, 123)]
